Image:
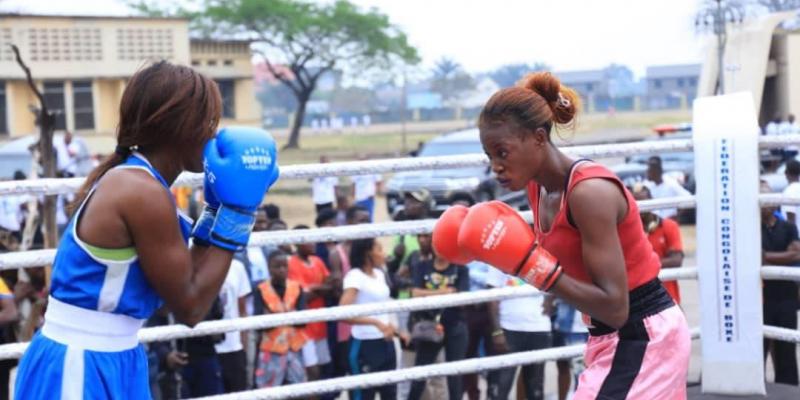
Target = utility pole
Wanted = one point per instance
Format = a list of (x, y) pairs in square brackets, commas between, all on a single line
[(715, 16)]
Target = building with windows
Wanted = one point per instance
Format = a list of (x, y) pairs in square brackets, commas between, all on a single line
[(82, 63), (671, 86)]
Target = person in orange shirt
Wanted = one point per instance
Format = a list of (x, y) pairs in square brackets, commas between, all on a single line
[(310, 271), (665, 237)]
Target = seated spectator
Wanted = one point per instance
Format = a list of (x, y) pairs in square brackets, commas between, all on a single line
[(371, 345), (517, 325), (310, 271), (662, 186), (433, 278), (273, 212), (780, 246), (280, 358), (665, 237)]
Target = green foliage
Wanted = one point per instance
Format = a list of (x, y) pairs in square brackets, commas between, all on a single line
[(450, 80)]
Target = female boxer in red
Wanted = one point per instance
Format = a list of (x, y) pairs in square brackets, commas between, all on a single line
[(587, 245)]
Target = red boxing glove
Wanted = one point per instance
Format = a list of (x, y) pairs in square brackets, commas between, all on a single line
[(494, 233), (445, 235)]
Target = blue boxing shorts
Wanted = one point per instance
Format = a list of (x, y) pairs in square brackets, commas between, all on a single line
[(84, 354)]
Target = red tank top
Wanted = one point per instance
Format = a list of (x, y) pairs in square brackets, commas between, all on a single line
[(564, 241)]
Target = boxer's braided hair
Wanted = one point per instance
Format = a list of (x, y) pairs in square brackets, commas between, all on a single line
[(163, 105), (539, 100)]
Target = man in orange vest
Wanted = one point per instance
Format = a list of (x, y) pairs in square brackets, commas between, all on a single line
[(279, 358)]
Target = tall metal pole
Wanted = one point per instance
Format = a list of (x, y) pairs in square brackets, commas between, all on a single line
[(719, 30)]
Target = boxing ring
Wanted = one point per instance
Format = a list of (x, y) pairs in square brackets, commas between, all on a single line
[(39, 258)]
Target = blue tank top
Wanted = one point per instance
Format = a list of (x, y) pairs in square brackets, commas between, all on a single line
[(85, 279)]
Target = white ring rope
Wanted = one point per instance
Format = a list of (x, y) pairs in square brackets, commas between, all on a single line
[(38, 258), (782, 334), (780, 273), (163, 333), (349, 168), (373, 379)]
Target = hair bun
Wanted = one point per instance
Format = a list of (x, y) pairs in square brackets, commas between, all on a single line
[(563, 101)]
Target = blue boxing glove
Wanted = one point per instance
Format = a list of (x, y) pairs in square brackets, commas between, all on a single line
[(240, 165)]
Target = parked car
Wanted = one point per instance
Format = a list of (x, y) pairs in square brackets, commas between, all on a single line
[(443, 183)]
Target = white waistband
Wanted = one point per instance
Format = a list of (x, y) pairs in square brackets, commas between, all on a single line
[(89, 329)]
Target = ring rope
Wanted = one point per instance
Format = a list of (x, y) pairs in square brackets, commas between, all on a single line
[(177, 331), (349, 168), (468, 366), (38, 258), (780, 273), (782, 334)]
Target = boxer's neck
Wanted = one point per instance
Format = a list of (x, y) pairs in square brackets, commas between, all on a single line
[(166, 164), (554, 170)]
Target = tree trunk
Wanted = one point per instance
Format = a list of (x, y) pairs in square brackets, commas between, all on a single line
[(49, 171), (299, 115)]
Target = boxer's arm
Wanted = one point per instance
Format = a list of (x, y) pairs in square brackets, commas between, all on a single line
[(789, 257), (187, 280), (606, 298)]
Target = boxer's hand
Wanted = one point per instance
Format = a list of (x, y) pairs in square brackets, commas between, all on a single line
[(240, 165), (494, 233)]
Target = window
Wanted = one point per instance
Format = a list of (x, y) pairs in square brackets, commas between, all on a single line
[(657, 83), (195, 63), (3, 126), (211, 63), (226, 91), (54, 97), (681, 82), (83, 105), (589, 87), (227, 63), (692, 82)]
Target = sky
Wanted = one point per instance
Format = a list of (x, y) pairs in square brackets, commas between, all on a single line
[(484, 34)]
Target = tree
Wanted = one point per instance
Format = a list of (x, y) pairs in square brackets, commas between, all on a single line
[(450, 80), (309, 39), (44, 153), (509, 75)]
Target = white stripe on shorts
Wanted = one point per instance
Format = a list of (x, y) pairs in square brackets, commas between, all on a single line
[(72, 378)]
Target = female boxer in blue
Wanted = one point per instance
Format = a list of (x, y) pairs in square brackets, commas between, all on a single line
[(125, 251)]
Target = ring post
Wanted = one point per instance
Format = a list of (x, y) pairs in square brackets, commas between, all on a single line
[(728, 244)]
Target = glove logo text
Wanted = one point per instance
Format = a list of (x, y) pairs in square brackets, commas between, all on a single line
[(256, 158), (496, 234)]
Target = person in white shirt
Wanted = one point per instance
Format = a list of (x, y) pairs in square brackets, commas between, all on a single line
[(365, 187), (518, 324), (323, 189), (232, 358), (371, 344), (70, 153), (792, 190), (789, 127), (663, 186), (773, 127)]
